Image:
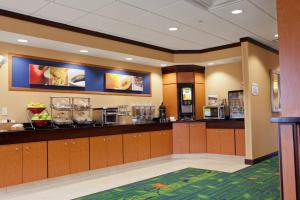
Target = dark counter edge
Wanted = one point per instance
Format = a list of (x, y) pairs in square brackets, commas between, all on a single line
[(221, 123), (288, 120), (25, 136)]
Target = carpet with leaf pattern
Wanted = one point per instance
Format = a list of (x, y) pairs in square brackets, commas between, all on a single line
[(258, 182)]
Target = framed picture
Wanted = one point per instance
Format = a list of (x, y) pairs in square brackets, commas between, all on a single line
[(275, 91), (115, 81)]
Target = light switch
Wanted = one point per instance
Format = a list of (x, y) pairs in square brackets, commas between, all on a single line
[(3, 111)]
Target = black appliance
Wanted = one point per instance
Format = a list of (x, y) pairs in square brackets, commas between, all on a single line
[(105, 115), (186, 101), (162, 113)]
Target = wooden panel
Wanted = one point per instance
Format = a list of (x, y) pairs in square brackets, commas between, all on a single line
[(79, 155), (181, 138), (10, 165), (114, 150), (197, 138), (98, 152), (289, 48), (144, 146), (199, 77), (199, 100), (156, 149), (166, 142), (58, 158), (213, 141), (240, 142), (185, 77), (34, 161), (169, 78), (288, 162), (170, 100), (130, 148), (170, 141), (227, 141)]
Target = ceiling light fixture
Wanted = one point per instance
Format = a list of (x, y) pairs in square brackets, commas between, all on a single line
[(173, 29), (22, 40), (210, 63), (2, 60), (163, 65), (128, 59), (84, 51), (276, 35), (236, 12)]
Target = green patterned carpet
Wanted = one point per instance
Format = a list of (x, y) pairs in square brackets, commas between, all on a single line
[(259, 182)]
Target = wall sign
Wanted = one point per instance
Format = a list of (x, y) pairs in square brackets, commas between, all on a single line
[(45, 75), (255, 89)]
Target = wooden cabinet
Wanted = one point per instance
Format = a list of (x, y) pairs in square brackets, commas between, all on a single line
[(220, 141), (227, 141), (79, 155), (10, 165), (161, 143), (240, 142), (199, 77), (98, 152), (34, 161), (68, 156), (130, 147), (144, 146), (106, 151), (136, 147), (170, 100), (181, 138), (213, 141), (170, 78), (197, 138)]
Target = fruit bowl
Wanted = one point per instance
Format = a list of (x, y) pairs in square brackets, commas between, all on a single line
[(40, 123), (36, 110)]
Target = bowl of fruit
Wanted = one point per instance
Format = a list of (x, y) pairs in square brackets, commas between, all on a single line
[(36, 108), (41, 120)]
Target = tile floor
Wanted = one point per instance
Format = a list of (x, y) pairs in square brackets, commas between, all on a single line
[(77, 185)]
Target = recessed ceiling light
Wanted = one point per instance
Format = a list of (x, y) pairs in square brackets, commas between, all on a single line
[(84, 51), (163, 65), (128, 58), (276, 35), (210, 63), (22, 40), (236, 12), (173, 29)]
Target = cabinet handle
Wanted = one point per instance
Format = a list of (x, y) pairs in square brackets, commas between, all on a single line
[(104, 139), (134, 136), (66, 143), (17, 148), (73, 142), (27, 148), (140, 135)]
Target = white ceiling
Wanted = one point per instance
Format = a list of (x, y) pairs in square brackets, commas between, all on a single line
[(148, 20)]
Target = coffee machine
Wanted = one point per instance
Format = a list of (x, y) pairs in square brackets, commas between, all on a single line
[(162, 113), (186, 99)]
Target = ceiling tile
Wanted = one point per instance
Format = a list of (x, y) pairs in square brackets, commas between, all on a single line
[(269, 6), (87, 5), (120, 11), (149, 4), (59, 13), (27, 8), (252, 19)]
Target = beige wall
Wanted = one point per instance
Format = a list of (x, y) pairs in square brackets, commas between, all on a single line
[(261, 134), (220, 79), (16, 101)]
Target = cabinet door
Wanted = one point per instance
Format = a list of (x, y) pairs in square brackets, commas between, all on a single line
[(143, 146), (98, 152), (79, 155), (114, 150), (58, 158), (181, 138), (197, 138), (170, 100), (34, 161), (130, 147), (240, 142), (166, 142), (156, 149), (227, 141), (213, 141), (10, 165)]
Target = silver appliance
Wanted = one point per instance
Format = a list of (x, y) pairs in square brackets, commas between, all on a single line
[(214, 112), (105, 115)]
